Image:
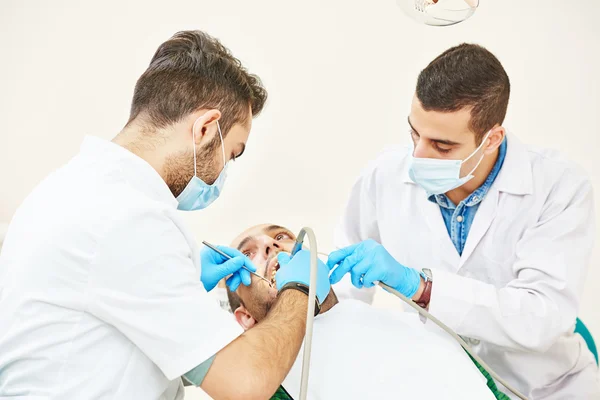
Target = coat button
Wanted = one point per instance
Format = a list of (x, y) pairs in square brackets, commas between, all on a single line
[(459, 218)]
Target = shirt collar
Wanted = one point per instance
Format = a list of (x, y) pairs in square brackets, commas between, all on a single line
[(442, 200), (481, 191), (514, 177), (133, 168)]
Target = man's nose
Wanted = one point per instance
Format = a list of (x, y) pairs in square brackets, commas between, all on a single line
[(272, 247)]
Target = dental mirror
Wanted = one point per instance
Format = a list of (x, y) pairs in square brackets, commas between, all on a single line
[(438, 12)]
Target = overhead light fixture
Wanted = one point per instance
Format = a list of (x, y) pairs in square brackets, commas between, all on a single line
[(438, 12)]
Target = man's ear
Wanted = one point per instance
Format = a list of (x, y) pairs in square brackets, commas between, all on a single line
[(495, 138), (244, 318), (204, 124)]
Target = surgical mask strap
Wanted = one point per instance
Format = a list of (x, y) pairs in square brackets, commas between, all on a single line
[(222, 142), (487, 135), (476, 150), (194, 142)]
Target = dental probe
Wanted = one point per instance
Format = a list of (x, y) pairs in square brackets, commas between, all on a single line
[(214, 248)]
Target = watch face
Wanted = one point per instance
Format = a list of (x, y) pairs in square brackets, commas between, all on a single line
[(427, 273)]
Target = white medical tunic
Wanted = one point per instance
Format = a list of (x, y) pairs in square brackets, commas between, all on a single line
[(514, 291), (361, 352), (100, 292)]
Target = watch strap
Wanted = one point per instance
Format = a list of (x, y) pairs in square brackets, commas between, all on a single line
[(302, 288), (425, 297)]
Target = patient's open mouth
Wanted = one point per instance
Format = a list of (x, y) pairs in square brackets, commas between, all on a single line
[(272, 268)]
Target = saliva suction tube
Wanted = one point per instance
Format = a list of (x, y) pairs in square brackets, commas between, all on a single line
[(311, 313), (312, 296)]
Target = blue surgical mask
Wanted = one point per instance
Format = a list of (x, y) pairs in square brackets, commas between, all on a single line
[(199, 194), (439, 176)]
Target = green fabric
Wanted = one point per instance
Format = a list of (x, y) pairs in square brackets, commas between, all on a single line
[(587, 336), (490, 381), (579, 328), (196, 376), (281, 394)]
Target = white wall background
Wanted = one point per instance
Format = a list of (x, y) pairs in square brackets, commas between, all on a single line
[(340, 75)]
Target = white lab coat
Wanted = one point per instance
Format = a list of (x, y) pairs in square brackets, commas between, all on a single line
[(100, 295), (515, 290)]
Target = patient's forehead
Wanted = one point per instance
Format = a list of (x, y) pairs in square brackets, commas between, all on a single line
[(256, 230)]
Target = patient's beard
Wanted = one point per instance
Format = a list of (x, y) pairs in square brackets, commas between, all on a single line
[(259, 308)]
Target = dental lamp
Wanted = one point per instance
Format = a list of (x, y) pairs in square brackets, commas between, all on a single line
[(438, 12)]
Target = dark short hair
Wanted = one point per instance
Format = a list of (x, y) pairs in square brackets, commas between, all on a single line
[(193, 70), (467, 75), (235, 301)]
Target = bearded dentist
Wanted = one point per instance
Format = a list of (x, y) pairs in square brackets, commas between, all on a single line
[(102, 293)]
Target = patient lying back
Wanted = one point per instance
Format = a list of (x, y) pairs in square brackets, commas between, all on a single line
[(358, 351)]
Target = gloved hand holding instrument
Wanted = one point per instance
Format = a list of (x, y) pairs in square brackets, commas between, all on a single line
[(368, 262), (218, 262)]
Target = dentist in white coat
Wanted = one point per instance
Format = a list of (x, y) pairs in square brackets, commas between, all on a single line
[(493, 236), (103, 291)]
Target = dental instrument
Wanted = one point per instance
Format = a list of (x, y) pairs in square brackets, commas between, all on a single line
[(214, 248)]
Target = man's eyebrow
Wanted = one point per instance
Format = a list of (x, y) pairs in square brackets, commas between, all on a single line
[(446, 142), (245, 242), (440, 141), (411, 126)]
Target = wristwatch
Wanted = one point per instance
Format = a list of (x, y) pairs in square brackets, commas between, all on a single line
[(304, 289), (423, 300)]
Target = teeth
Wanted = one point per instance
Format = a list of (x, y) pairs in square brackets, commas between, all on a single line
[(274, 272)]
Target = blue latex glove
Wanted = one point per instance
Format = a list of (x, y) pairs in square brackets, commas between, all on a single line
[(297, 269), (215, 267), (370, 261)]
